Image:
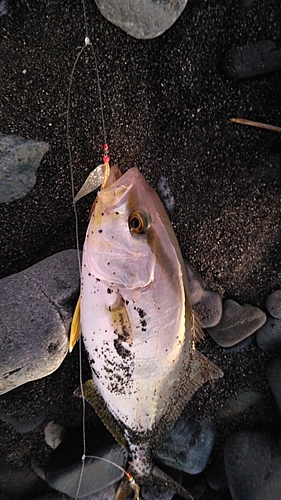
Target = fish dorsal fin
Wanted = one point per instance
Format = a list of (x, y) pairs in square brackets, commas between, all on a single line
[(196, 329), (96, 401), (75, 330)]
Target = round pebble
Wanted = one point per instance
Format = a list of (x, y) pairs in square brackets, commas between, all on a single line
[(188, 445), (253, 466), (165, 193), (36, 312), (269, 336), (254, 58), (273, 304), (238, 322)]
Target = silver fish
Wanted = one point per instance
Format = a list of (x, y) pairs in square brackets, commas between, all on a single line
[(137, 322)]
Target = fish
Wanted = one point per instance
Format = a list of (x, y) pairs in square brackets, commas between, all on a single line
[(137, 322)]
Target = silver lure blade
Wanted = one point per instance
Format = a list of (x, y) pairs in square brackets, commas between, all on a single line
[(93, 181)]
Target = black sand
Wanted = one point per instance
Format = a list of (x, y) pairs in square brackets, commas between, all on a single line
[(167, 105)]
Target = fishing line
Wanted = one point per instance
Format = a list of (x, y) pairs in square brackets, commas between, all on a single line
[(106, 158)]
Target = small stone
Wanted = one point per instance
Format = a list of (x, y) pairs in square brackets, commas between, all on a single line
[(273, 304), (15, 479), (253, 466), (239, 404), (54, 434), (273, 375), (254, 58), (165, 193), (269, 336), (188, 445), (206, 303), (64, 467), (237, 323), (3, 8), (36, 311), (142, 19), (19, 161)]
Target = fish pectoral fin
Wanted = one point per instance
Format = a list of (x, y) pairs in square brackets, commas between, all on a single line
[(96, 401), (75, 330), (160, 478)]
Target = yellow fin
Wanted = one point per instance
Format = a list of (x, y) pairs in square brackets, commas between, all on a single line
[(75, 330), (121, 320)]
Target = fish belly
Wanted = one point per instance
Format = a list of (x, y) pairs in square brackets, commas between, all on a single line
[(134, 361)]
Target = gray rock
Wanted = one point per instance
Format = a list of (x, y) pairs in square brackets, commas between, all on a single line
[(142, 18), (253, 466), (273, 375), (237, 323), (255, 58), (273, 304), (165, 193), (3, 8), (240, 403), (63, 470), (188, 445), (207, 303), (244, 344), (53, 495), (19, 161), (36, 311), (269, 336)]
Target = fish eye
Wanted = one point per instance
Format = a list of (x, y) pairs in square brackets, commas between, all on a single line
[(139, 222)]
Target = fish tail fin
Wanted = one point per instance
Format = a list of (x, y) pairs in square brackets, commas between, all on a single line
[(159, 477)]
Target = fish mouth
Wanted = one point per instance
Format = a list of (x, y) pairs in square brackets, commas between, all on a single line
[(114, 196)]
